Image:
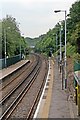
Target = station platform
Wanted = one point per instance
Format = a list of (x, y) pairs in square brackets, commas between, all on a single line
[(8, 70), (53, 102)]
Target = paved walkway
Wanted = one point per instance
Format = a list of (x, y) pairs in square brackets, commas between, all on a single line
[(60, 107), (54, 103)]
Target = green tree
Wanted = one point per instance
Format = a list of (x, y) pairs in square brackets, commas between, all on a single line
[(11, 32), (73, 26)]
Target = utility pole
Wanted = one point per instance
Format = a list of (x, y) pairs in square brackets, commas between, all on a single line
[(60, 50), (56, 41), (5, 46), (5, 43), (65, 55)]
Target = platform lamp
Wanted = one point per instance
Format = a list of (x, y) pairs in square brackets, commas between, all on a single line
[(5, 38), (56, 11), (5, 46)]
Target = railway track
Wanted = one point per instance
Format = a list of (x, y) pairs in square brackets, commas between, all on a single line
[(32, 97), (13, 83), (11, 77), (13, 99)]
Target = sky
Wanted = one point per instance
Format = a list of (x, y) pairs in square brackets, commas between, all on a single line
[(35, 17)]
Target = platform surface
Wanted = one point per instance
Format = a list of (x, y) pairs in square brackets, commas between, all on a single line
[(6, 71), (60, 106), (54, 103)]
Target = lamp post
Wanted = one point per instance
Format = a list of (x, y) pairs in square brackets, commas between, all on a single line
[(56, 46), (60, 49), (5, 38), (56, 41), (56, 11), (20, 49), (5, 46)]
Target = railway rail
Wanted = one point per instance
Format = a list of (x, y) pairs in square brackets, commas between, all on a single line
[(9, 85), (13, 99), (13, 75)]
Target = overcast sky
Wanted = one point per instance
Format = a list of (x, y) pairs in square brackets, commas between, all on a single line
[(36, 17)]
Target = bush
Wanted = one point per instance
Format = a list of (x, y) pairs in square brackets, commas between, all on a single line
[(77, 57)]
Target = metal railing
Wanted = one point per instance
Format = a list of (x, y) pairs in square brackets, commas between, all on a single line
[(9, 61)]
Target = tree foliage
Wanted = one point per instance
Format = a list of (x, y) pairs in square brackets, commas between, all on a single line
[(73, 33), (11, 35)]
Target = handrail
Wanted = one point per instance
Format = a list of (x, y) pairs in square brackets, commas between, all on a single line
[(76, 78)]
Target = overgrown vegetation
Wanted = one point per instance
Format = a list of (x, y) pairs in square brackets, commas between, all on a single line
[(31, 41)]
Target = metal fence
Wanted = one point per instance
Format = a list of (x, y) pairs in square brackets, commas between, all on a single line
[(76, 73), (77, 84), (9, 61), (76, 66)]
